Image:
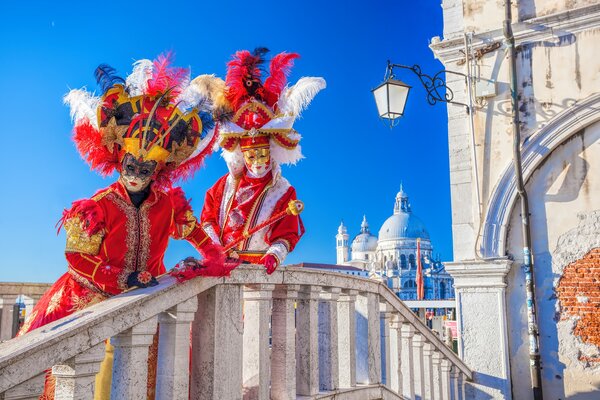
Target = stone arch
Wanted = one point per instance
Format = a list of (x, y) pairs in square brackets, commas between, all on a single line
[(493, 240)]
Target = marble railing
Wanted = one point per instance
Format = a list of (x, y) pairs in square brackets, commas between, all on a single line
[(296, 334)]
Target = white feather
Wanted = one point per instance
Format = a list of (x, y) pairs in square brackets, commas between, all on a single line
[(137, 83), (83, 106), (282, 156), (234, 160), (192, 97), (295, 99)]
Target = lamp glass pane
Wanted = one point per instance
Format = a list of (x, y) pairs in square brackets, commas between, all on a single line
[(381, 100), (398, 92)]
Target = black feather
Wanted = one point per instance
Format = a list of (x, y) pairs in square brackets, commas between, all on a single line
[(260, 53), (106, 77)]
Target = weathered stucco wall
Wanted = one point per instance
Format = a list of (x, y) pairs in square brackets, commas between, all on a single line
[(564, 198)]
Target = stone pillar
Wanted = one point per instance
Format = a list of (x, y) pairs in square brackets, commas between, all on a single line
[(461, 386), (482, 325), (283, 344), (257, 358), (396, 354), (428, 370), (386, 318), (75, 378), (130, 368), (329, 375), (436, 362), (419, 377), (406, 361), (454, 374), (8, 317), (445, 378), (373, 338), (307, 345), (172, 375), (347, 338), (217, 338)]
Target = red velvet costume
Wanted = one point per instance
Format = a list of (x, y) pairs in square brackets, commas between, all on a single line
[(123, 239), (236, 205)]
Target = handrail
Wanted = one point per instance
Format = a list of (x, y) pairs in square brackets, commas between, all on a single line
[(60, 340)]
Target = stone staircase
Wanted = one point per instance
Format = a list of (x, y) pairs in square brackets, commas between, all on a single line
[(296, 334)]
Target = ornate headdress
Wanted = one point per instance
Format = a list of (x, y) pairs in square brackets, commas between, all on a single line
[(263, 113), (156, 114)]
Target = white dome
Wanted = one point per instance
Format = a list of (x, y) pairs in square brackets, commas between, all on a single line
[(364, 241), (403, 223)]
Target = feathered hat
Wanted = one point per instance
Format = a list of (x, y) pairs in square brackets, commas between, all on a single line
[(262, 112), (155, 114)]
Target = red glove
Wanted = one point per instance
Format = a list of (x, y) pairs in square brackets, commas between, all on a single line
[(270, 263)]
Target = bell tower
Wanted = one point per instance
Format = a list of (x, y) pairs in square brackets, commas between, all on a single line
[(342, 244)]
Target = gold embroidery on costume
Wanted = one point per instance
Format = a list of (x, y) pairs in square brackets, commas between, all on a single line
[(183, 230), (78, 240), (81, 302), (85, 282), (54, 301), (30, 318)]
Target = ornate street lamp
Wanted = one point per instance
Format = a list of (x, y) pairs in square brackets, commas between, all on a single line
[(391, 95)]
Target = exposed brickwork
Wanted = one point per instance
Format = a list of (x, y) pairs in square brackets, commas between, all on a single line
[(578, 292)]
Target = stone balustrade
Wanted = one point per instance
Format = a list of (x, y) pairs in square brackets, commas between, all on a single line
[(290, 335)]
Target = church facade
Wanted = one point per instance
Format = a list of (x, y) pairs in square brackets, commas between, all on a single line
[(393, 255)]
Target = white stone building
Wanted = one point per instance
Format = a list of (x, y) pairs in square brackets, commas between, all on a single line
[(558, 104), (392, 256)]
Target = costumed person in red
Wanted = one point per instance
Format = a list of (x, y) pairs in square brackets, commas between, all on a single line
[(256, 140), (153, 128)]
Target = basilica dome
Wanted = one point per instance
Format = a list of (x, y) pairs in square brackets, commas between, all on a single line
[(364, 241), (403, 223)]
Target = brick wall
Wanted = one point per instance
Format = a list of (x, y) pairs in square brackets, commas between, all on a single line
[(578, 292)]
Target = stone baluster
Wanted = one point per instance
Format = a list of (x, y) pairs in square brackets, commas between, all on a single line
[(75, 378), (217, 339), (395, 353), (461, 386), (454, 374), (130, 368), (445, 378), (386, 318), (307, 345), (283, 346), (31, 389), (7, 323), (329, 376), (436, 361), (407, 361), (419, 368), (428, 370), (257, 359), (172, 375), (373, 338), (347, 338)]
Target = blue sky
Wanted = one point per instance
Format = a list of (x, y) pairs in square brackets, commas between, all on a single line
[(354, 163)]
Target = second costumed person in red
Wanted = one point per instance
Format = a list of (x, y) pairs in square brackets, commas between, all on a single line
[(256, 140)]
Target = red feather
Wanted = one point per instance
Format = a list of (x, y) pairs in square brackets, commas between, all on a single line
[(90, 214), (181, 205), (279, 71), (88, 141), (165, 77), (242, 65), (214, 263)]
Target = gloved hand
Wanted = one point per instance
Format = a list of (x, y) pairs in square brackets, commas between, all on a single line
[(141, 279), (270, 262)]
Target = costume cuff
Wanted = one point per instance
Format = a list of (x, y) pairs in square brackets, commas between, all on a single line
[(279, 250), (211, 233)]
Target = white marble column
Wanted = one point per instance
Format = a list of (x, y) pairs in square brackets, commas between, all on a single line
[(461, 386), (329, 376), (257, 358), (307, 345), (419, 367), (373, 338), (347, 338), (454, 388), (428, 370), (386, 318), (217, 339), (445, 378), (407, 364), (283, 346), (75, 378), (482, 325), (172, 374), (8, 316), (130, 368), (396, 353), (436, 364)]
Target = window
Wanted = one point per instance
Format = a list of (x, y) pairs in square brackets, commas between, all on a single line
[(409, 284), (411, 261), (403, 261)]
